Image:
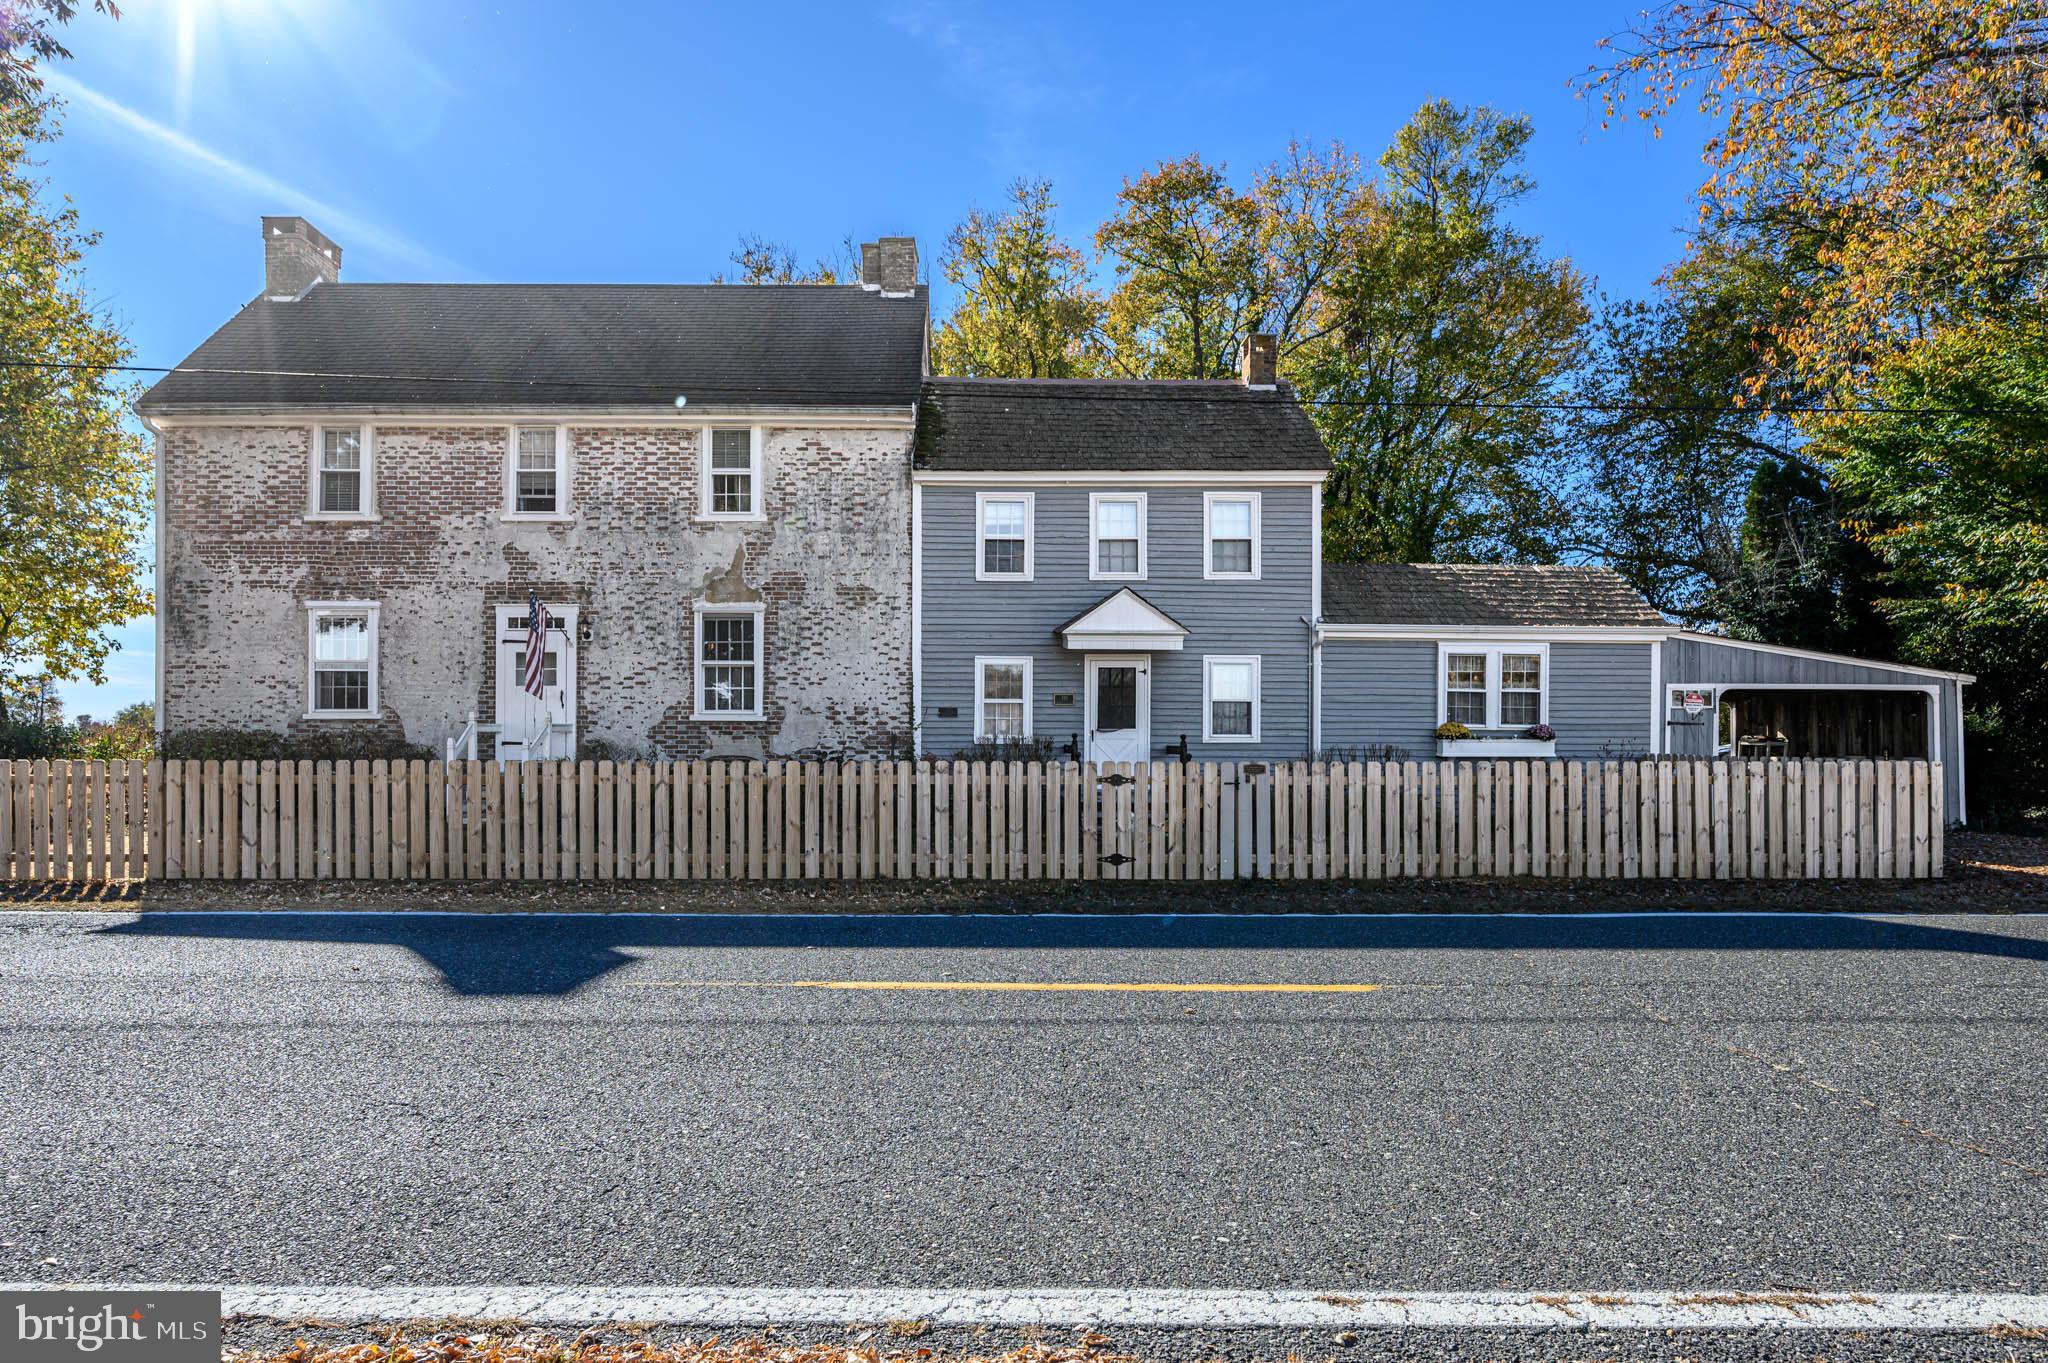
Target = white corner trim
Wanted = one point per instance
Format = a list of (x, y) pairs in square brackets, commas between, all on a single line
[(917, 620)]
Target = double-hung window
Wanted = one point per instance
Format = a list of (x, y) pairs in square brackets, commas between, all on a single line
[(1002, 537), (1116, 536), (728, 662), (1231, 533), (538, 472), (1002, 698), (341, 472), (1486, 687), (1230, 699), (341, 646), (732, 473)]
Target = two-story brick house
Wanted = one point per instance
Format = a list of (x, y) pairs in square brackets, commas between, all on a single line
[(362, 486)]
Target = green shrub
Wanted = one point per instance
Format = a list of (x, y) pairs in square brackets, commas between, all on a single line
[(261, 745)]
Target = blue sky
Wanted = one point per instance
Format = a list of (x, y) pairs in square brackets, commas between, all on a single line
[(621, 142)]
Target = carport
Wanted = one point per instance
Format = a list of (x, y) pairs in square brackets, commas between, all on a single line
[(1824, 722)]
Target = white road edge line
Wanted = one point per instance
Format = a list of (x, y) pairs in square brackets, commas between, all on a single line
[(1160, 1307)]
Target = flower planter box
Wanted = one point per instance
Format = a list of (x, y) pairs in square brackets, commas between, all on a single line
[(1516, 746)]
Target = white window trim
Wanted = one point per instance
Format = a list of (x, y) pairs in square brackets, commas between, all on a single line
[(1493, 649), (1209, 734), (1030, 500), (754, 465), (981, 663), (314, 611), (1095, 573), (511, 510), (1209, 500), (699, 613), (365, 441)]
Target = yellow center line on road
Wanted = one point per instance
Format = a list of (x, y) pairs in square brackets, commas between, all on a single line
[(1021, 986)]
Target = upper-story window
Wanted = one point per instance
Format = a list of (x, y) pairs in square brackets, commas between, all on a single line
[(342, 471), (537, 472), (1231, 535), (341, 647), (732, 473), (1002, 539), (1116, 535), (1503, 687)]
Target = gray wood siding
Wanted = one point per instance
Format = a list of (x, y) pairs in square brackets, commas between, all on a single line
[(1383, 693), (1380, 693), (1600, 699), (964, 618), (1705, 661)]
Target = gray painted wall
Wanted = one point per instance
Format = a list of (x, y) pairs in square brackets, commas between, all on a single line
[(1689, 660), (1383, 692), (964, 618)]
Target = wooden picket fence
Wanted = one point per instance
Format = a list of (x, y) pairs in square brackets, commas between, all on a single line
[(729, 820)]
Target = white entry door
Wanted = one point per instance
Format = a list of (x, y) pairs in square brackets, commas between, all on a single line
[(542, 726), (1119, 708)]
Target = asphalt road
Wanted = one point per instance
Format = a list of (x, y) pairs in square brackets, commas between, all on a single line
[(1526, 1103)]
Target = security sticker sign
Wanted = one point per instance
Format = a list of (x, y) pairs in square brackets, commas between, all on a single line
[(110, 1327)]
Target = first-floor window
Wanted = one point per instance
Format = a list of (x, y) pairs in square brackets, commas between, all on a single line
[(728, 664), (1230, 698), (343, 644), (1002, 698), (1494, 688)]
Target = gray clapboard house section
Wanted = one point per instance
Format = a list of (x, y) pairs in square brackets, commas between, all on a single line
[(1122, 666)]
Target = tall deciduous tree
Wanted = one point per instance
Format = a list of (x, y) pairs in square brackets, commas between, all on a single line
[(74, 480), (1907, 142), (1448, 327), (762, 261), (1025, 308), (28, 34)]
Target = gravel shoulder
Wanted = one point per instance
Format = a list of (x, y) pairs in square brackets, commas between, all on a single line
[(1987, 873)]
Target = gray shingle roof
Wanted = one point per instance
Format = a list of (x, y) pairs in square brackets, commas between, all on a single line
[(1480, 594), (585, 345), (1022, 425)]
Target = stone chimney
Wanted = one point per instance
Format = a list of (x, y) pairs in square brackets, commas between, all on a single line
[(890, 265), (297, 254), (1258, 361)]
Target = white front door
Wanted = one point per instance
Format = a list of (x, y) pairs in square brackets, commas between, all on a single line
[(1119, 708), (542, 726)]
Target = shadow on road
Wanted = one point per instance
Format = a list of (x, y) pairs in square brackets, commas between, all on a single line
[(522, 954)]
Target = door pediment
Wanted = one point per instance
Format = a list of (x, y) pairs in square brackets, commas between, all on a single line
[(1122, 620)]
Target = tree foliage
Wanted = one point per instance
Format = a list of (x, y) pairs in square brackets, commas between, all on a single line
[(74, 479), (1026, 308), (28, 34), (1446, 326), (761, 261), (1905, 144)]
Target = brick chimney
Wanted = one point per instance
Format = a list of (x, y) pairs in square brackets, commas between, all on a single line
[(297, 254), (890, 265), (1259, 361)]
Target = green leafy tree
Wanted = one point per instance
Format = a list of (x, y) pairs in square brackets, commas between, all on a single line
[(1026, 308), (28, 34), (1447, 325), (1952, 482), (74, 478)]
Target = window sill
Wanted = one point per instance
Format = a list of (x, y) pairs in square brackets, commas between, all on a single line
[(1116, 577), (341, 714), (1230, 738), (343, 516), (712, 518), (1232, 577), (726, 716), (537, 517), (1002, 577)]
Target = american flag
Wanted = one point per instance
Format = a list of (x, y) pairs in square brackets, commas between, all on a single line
[(536, 642)]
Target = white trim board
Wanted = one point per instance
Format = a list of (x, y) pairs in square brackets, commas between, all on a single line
[(1762, 1308), (1218, 479)]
